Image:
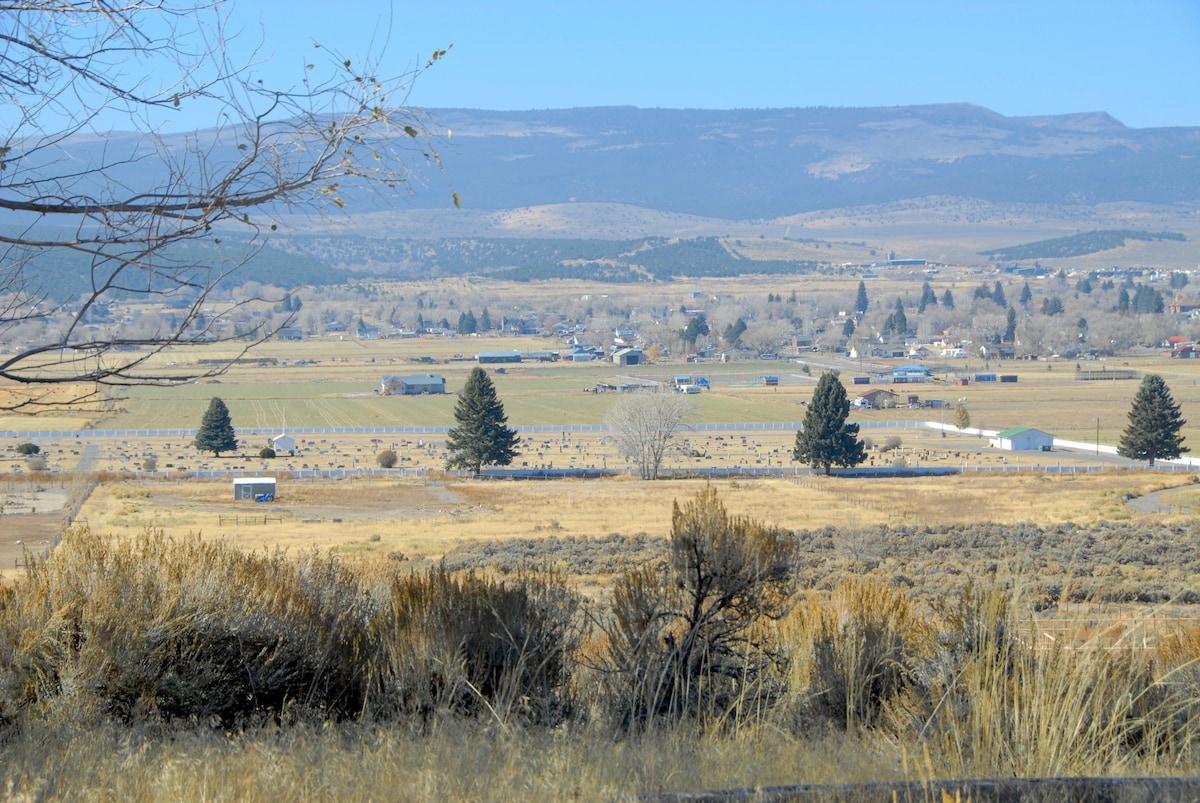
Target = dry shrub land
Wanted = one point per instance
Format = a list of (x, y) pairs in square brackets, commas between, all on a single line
[(556, 644), (433, 638)]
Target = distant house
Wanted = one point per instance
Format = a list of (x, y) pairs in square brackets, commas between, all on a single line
[(289, 333), (1023, 439), (906, 374), (416, 385), (584, 354), (880, 399), (997, 352)]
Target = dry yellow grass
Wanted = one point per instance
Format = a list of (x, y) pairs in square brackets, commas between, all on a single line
[(427, 519)]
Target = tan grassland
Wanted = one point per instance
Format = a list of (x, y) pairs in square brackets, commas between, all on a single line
[(997, 717), (427, 519)]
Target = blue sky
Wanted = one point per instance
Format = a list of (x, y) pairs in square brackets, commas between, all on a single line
[(1139, 60)]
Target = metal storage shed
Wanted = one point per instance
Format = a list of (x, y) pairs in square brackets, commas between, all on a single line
[(251, 488), (1023, 439)]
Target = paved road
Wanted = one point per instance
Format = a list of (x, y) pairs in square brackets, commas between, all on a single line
[(1164, 501)]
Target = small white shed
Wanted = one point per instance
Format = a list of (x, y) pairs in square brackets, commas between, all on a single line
[(253, 488), (283, 443)]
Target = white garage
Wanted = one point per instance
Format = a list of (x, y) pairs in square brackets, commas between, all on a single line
[(1023, 439)]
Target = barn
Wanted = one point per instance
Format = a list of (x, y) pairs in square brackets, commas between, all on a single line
[(495, 357), (415, 385), (1023, 439), (254, 489), (629, 356)]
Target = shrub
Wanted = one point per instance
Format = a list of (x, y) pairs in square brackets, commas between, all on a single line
[(28, 448), (690, 640), (469, 645), (890, 443), (386, 459), (266, 453), (37, 463), (150, 464)]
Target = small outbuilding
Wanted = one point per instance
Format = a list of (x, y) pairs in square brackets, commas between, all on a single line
[(283, 443), (1023, 439), (629, 356), (254, 489), (417, 385)]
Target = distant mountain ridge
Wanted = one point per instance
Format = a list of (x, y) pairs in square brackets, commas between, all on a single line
[(762, 164)]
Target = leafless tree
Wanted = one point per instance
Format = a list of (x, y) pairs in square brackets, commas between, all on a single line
[(90, 183), (644, 423)]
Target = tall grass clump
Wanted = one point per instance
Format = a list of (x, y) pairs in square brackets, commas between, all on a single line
[(153, 628), (467, 645), (856, 653), (1009, 701)]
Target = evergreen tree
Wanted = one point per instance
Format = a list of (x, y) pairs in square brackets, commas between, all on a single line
[(826, 439), (1010, 326), (467, 324), (1123, 300), (216, 433), (948, 299), (1026, 295), (734, 331), (1154, 424), (899, 319), (697, 327), (998, 295), (485, 321), (481, 437), (860, 301), (848, 328), (928, 298)]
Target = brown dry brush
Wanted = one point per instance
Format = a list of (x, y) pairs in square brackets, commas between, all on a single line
[(160, 629), (687, 640), (153, 629)]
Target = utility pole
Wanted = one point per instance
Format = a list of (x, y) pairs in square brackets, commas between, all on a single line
[(1097, 436)]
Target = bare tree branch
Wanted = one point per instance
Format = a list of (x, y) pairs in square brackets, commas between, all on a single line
[(88, 177)]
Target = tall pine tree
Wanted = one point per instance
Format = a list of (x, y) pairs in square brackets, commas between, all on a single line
[(1154, 424), (481, 437), (216, 433), (826, 439), (860, 301)]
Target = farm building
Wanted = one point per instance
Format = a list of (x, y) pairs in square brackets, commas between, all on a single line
[(416, 385), (904, 374), (254, 489), (491, 357), (880, 399), (1023, 439), (283, 443), (629, 356)]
